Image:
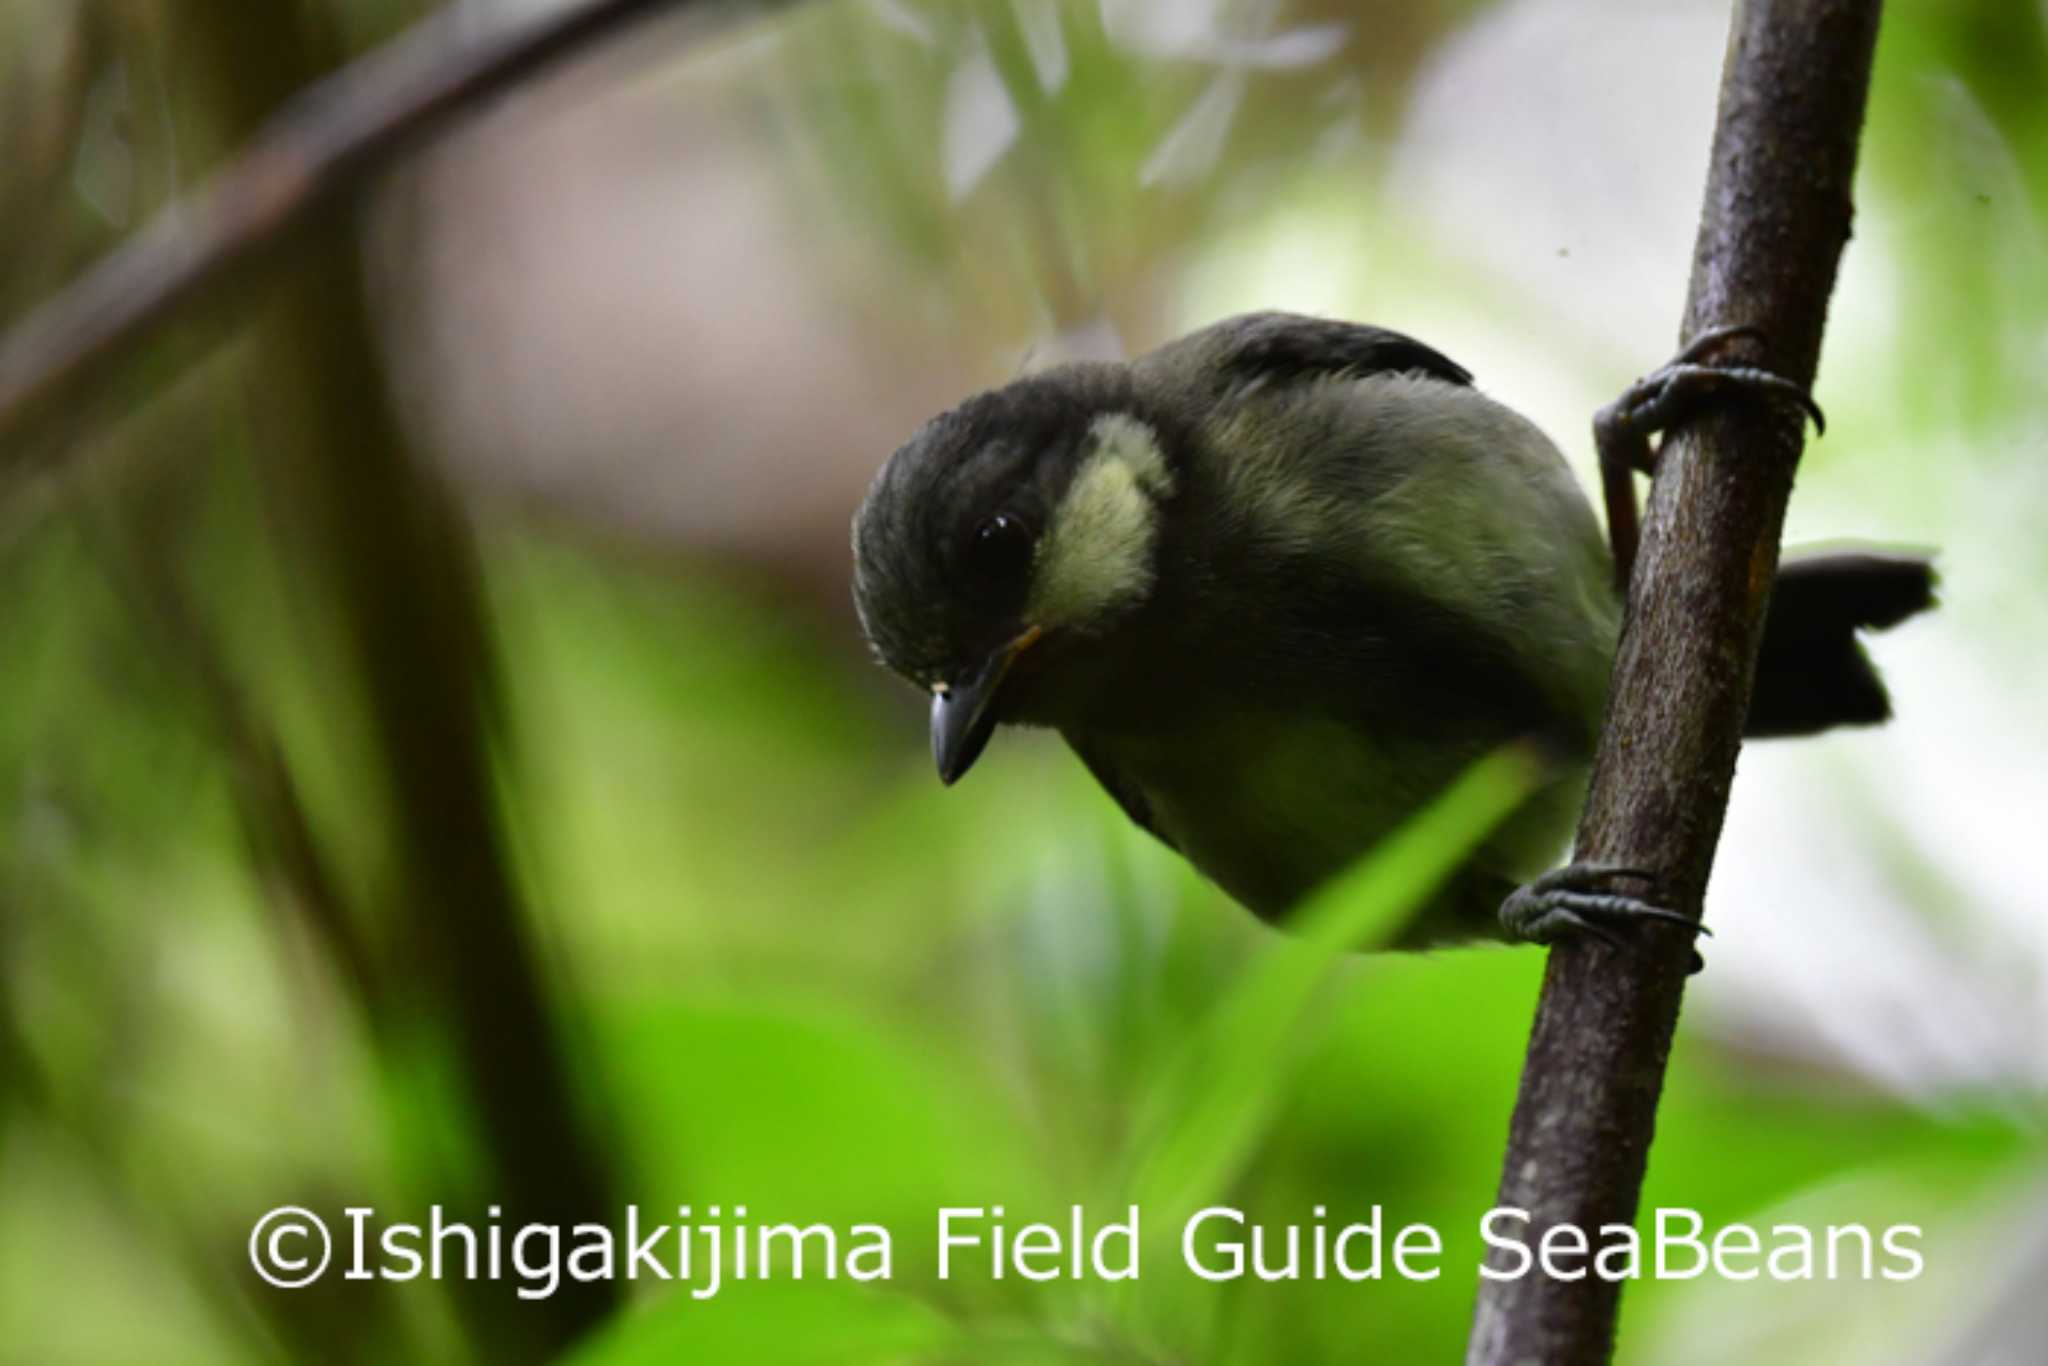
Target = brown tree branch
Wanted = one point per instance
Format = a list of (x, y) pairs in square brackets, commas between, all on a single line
[(321, 146), (1775, 220)]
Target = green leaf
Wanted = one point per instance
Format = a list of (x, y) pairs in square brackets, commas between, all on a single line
[(1213, 1102)]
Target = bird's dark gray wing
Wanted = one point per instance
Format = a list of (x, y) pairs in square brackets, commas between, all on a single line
[(1127, 794), (1288, 347)]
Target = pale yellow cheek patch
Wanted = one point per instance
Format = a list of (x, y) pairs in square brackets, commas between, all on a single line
[(1097, 554), (1122, 437)]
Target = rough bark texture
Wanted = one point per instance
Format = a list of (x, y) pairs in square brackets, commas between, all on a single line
[(1776, 218)]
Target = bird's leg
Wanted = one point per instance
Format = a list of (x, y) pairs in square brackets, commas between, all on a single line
[(1579, 899), (1660, 401)]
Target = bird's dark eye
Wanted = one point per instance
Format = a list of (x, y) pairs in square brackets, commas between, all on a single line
[(1000, 550)]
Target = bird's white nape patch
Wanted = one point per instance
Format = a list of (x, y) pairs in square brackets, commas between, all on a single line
[(1096, 555)]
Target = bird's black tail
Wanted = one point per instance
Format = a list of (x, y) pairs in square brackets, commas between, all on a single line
[(1811, 673)]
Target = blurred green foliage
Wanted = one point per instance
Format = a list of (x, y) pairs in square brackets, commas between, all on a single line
[(775, 964)]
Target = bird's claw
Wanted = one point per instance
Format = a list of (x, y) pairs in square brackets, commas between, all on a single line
[(1576, 901), (1666, 396), (1713, 339)]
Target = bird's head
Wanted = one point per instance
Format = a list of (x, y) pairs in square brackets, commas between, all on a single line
[(1007, 539)]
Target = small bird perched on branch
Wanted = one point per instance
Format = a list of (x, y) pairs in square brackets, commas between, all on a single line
[(1279, 582)]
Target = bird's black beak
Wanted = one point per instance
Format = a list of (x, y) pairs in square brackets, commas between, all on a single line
[(964, 714)]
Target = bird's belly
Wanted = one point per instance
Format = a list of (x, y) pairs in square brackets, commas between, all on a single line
[(1279, 806), (1284, 804)]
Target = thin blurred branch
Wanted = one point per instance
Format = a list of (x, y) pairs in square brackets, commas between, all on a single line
[(377, 547), (323, 145), (1771, 235)]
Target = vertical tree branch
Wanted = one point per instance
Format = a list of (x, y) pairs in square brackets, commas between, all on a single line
[(381, 553), (1775, 220)]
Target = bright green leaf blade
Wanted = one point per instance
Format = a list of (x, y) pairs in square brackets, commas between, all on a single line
[(1215, 1099)]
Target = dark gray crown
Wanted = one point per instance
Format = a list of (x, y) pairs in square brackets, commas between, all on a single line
[(1011, 450)]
